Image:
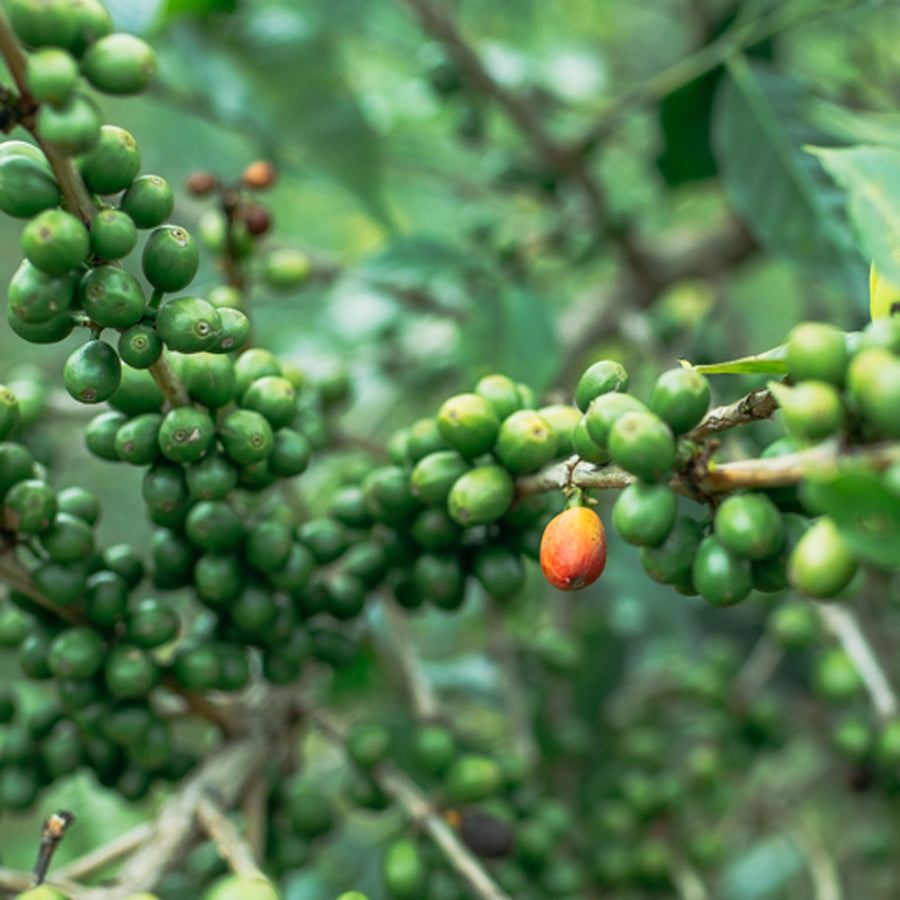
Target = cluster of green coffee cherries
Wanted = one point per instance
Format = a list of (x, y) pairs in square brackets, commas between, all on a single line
[(872, 746)]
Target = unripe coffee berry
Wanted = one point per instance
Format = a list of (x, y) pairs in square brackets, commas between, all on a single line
[(170, 258), (111, 164), (92, 372), (119, 64), (55, 241)]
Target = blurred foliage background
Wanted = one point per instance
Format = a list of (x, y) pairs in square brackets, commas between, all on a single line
[(540, 186)]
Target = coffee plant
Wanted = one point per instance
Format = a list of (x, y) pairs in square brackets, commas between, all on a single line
[(393, 393)]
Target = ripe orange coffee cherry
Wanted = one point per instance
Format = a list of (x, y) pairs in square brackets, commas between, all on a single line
[(573, 549)]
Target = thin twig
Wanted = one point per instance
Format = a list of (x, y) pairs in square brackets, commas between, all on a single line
[(232, 847), (754, 407), (421, 811), (823, 872), (705, 59), (713, 478), (843, 624), (687, 881), (758, 668), (169, 383), (103, 856), (422, 698), (504, 652)]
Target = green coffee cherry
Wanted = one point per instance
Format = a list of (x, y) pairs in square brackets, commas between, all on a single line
[(680, 397), (601, 377), (583, 444), (268, 544), (41, 24), (76, 653), (188, 324), (434, 475), (388, 496), (472, 778), (235, 330), (404, 871), (36, 298), (246, 436), (111, 297), (105, 598), (525, 442), (138, 393), (214, 526), (434, 748), (68, 539), (73, 127), (286, 268), (140, 346), (254, 363), (812, 409), (56, 329), (750, 526), (644, 513), (835, 677), (113, 234), (100, 434), (27, 186), (643, 444), (137, 439), (291, 453), (218, 579), (501, 392), (186, 434), (151, 623), (307, 806), (111, 164), (500, 571), (29, 507), (170, 258), (821, 564), (165, 493), (55, 241), (469, 424), (92, 22), (719, 576), (80, 502), (9, 412), (52, 74), (274, 397), (816, 351), (873, 383), (211, 478), (197, 666), (433, 529), (605, 411), (92, 372), (209, 379), (119, 63), (130, 673), (481, 495), (562, 419), (148, 200), (440, 580)]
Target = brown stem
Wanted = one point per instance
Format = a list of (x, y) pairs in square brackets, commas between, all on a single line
[(757, 405), (422, 698), (169, 383), (103, 856), (232, 847)]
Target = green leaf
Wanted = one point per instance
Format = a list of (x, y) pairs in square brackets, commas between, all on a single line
[(771, 362), (508, 329), (763, 871), (281, 79), (866, 513), (782, 193), (851, 126), (871, 177)]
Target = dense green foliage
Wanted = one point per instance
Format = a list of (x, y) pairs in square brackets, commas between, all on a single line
[(393, 393)]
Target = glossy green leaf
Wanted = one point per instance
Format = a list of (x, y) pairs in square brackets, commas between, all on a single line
[(866, 513), (871, 177), (781, 192), (771, 362)]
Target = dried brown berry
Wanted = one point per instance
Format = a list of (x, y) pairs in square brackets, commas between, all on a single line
[(202, 183), (256, 218)]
